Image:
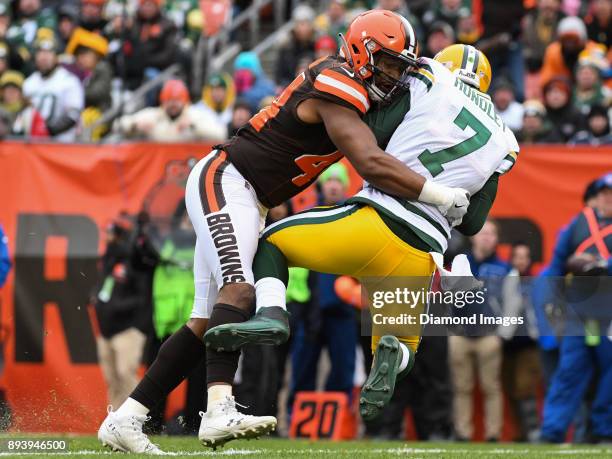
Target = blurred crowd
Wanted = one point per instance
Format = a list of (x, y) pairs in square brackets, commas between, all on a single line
[(64, 63)]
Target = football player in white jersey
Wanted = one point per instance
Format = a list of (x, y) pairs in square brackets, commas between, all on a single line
[(55, 92), (445, 127)]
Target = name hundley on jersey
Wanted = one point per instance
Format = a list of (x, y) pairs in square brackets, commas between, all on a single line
[(481, 100)]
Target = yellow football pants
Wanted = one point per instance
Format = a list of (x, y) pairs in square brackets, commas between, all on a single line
[(350, 240)]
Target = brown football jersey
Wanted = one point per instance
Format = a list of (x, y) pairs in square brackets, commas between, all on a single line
[(279, 154)]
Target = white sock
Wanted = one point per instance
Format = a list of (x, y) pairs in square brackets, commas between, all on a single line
[(218, 393), (270, 291), (131, 406), (405, 357)]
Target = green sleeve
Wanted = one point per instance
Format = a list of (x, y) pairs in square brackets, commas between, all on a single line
[(269, 261), (384, 121), (480, 205)]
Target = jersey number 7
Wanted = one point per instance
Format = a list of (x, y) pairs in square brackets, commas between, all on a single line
[(433, 161)]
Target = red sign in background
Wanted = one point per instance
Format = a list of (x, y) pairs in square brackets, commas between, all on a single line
[(62, 390)]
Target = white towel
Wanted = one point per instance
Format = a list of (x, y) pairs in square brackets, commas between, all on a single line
[(459, 278)]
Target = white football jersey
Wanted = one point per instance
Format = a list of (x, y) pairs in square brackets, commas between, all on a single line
[(452, 135), (58, 94)]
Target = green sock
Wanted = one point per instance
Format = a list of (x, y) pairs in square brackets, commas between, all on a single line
[(269, 261)]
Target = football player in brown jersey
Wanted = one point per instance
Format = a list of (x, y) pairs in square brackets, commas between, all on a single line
[(313, 123)]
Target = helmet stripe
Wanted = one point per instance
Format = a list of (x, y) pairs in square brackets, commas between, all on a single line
[(410, 44), (464, 58), (476, 60)]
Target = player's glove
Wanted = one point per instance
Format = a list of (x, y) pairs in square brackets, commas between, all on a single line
[(451, 202)]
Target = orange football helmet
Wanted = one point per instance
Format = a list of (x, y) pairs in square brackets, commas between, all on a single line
[(375, 33)]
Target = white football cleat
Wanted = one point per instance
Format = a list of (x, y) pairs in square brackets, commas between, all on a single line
[(225, 423), (124, 433)]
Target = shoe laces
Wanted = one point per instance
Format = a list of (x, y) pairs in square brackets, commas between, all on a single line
[(227, 406), (137, 421)]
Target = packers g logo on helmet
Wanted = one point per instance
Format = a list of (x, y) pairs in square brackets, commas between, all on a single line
[(468, 64)]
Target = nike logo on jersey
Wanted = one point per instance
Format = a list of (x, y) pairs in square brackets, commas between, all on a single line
[(348, 72)]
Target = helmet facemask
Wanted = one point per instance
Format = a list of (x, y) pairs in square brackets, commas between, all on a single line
[(388, 71)]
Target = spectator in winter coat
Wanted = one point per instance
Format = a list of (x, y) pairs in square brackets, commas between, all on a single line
[(599, 25), (55, 92), (558, 103), (467, 29), (447, 11), (89, 50), (25, 120), (597, 131), (67, 23), (240, 116), (480, 348), (510, 111), (561, 55), (120, 310), (176, 120), (30, 16), (218, 96), (151, 45), (501, 43), (334, 20), (521, 369), (92, 15), (5, 18), (537, 128), (588, 89), (252, 85), (12, 54), (539, 30), (96, 75), (9, 58), (325, 46), (440, 36), (301, 41)]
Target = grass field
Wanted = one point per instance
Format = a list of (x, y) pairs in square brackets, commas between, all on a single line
[(88, 447)]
